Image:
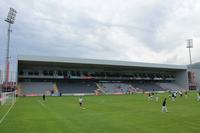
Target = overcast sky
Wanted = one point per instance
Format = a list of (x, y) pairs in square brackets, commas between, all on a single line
[(131, 30)]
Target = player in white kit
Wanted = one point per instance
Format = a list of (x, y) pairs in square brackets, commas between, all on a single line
[(80, 101)]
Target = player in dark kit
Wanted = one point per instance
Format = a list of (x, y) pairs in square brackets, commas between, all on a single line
[(164, 107), (43, 97), (186, 94), (173, 96), (149, 96)]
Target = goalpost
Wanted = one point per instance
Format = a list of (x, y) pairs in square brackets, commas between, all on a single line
[(8, 97)]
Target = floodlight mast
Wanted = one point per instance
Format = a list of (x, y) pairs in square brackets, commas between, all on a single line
[(10, 19), (189, 46)]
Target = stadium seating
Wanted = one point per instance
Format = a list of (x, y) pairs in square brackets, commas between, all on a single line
[(76, 87), (148, 86), (55, 88), (71, 87), (116, 87), (99, 86), (169, 86), (36, 88)]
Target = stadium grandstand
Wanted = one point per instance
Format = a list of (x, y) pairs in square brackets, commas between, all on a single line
[(67, 76)]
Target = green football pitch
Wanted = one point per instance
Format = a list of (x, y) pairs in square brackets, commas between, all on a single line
[(102, 114)]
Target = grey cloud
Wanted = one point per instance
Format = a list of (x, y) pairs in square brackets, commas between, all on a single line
[(147, 31)]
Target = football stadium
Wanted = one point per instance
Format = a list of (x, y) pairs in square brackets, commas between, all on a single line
[(49, 93), (118, 96)]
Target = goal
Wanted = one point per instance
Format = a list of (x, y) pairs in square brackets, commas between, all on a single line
[(8, 97)]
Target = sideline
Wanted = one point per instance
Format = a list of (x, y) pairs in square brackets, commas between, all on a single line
[(7, 112)]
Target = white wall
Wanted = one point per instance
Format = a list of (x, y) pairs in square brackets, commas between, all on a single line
[(182, 79)]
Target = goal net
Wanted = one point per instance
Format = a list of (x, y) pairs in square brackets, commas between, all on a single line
[(8, 97)]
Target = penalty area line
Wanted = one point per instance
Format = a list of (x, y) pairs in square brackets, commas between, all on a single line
[(42, 104)]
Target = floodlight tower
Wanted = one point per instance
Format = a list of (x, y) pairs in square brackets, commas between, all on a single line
[(10, 19), (189, 45)]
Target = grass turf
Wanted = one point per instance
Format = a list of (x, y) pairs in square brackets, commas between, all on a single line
[(102, 114)]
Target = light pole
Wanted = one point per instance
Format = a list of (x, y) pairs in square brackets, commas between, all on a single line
[(189, 46), (10, 19)]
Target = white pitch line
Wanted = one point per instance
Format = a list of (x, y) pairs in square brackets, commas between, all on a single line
[(6, 113), (42, 103)]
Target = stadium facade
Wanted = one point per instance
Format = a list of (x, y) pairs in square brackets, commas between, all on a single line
[(196, 75), (76, 75)]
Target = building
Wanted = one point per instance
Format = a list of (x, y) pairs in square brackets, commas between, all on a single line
[(69, 75), (196, 75)]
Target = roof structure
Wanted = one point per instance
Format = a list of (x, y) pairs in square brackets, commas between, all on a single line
[(196, 65), (30, 58)]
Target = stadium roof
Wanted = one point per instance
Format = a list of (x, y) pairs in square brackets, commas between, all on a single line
[(196, 65), (30, 58)]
